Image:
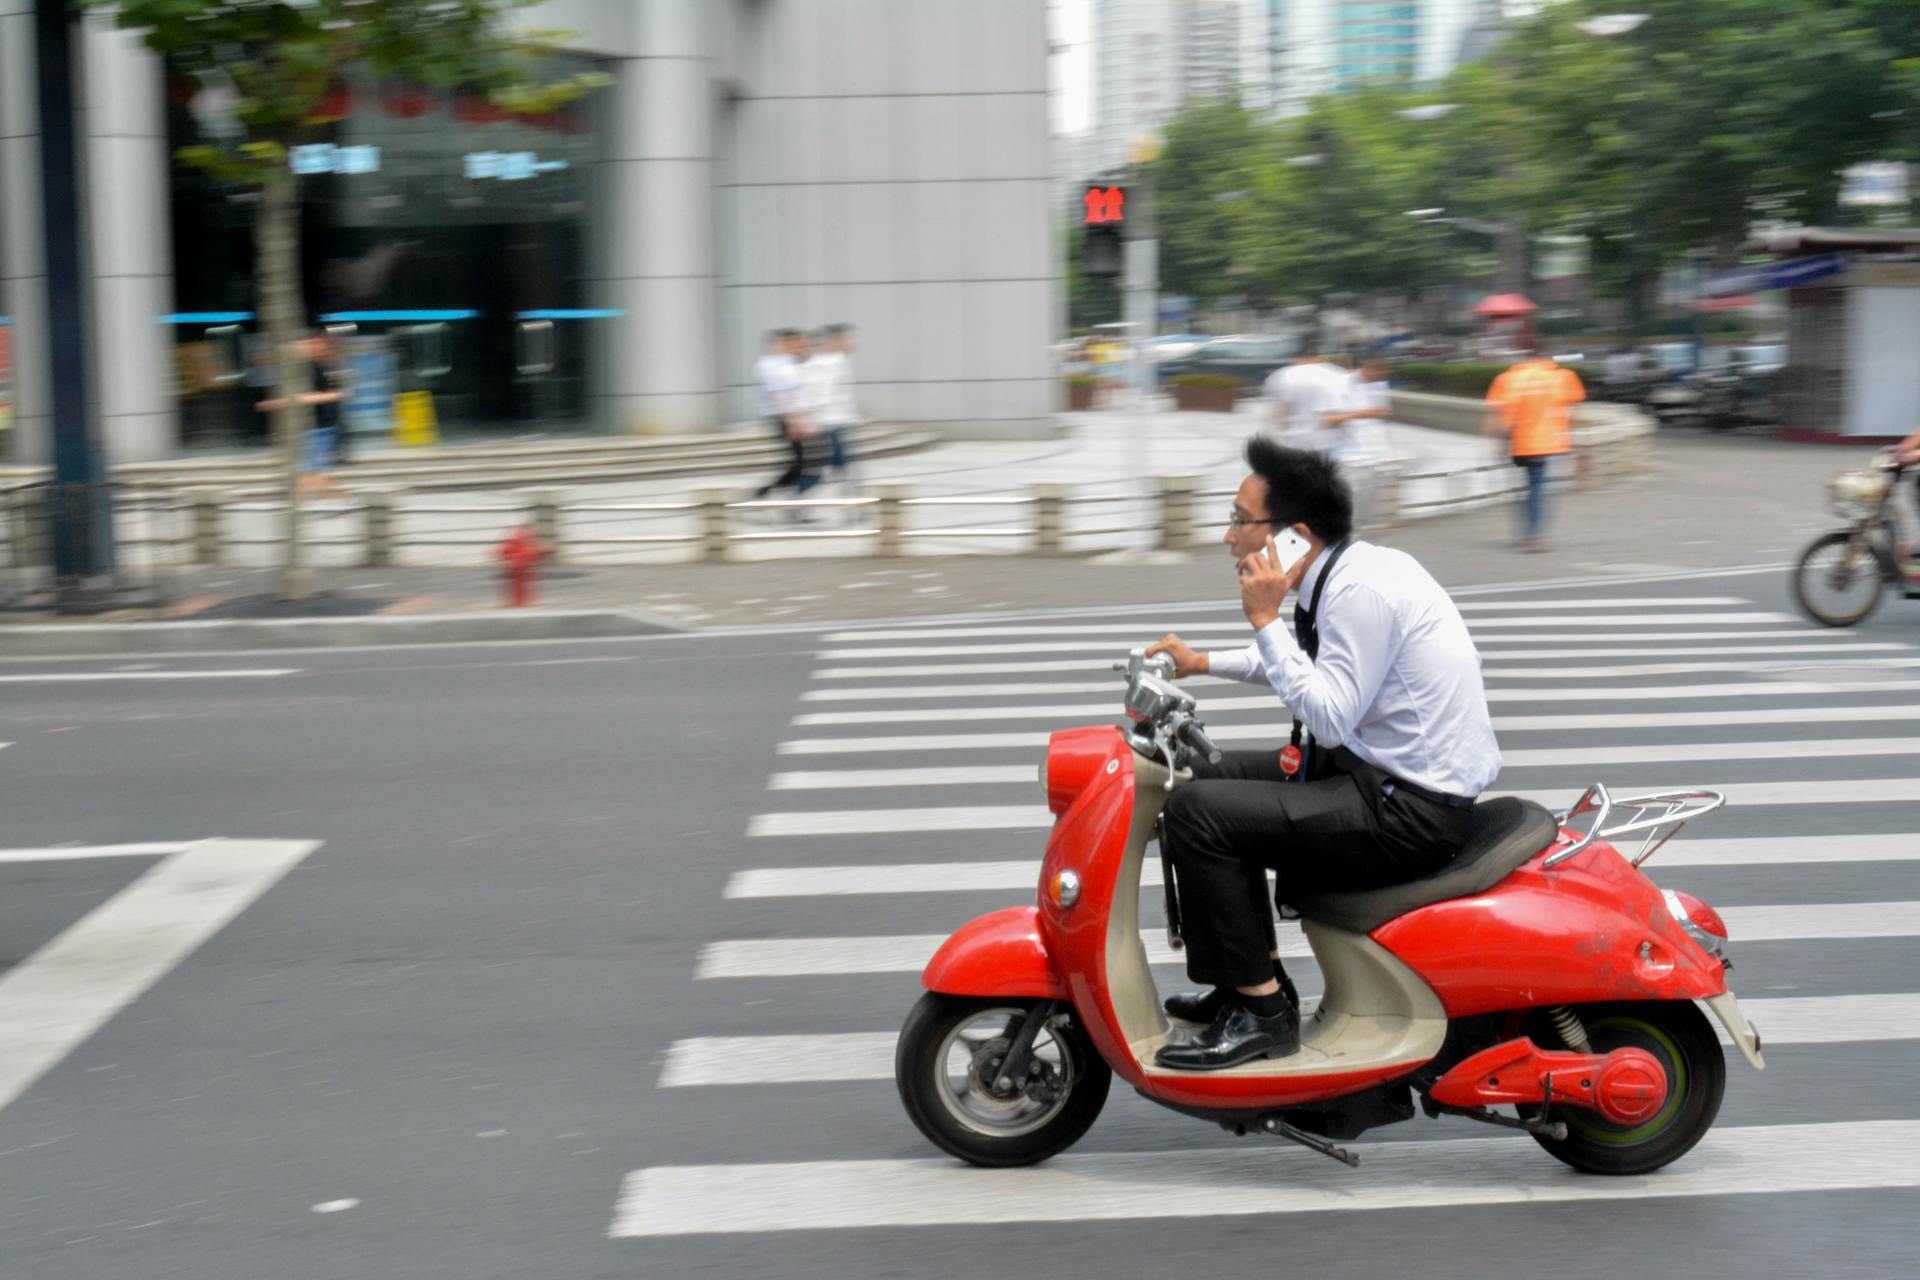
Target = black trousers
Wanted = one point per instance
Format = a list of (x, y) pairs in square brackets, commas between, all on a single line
[(797, 476), (1239, 819)]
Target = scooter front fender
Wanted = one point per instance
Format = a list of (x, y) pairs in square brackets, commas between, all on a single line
[(1002, 953)]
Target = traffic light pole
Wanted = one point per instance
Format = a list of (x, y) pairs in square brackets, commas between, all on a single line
[(1140, 285)]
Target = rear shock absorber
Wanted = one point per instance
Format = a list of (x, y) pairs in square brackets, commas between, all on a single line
[(1567, 1023)]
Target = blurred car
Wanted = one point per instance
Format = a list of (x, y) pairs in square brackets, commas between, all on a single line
[(1247, 358), (1174, 346)]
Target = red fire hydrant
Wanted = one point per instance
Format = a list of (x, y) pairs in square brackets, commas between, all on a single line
[(520, 555)]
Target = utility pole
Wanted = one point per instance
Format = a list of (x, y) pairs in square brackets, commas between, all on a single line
[(79, 507)]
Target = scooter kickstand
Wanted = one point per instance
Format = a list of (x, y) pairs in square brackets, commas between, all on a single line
[(1281, 1129)]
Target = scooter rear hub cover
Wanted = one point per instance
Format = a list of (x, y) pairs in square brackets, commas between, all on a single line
[(1631, 1088)]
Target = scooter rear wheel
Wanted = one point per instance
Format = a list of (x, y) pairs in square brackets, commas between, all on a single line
[(949, 1053), (1838, 581), (1681, 1039)]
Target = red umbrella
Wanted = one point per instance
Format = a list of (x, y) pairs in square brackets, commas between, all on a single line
[(1504, 304)]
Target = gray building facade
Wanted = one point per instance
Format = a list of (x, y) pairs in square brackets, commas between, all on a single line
[(754, 164)]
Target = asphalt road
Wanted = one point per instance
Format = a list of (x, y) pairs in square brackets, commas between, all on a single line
[(419, 970)]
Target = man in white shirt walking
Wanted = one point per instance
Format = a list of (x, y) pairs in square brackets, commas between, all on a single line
[(828, 375), (777, 376), (1384, 680), (1303, 401)]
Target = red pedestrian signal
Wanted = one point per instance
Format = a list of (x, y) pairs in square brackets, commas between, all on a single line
[(1104, 206)]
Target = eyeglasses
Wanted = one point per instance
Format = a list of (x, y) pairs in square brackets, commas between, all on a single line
[(1237, 521)]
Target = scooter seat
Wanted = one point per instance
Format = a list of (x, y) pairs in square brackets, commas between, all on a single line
[(1506, 832)]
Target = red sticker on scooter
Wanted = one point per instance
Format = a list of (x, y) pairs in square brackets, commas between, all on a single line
[(1289, 760)]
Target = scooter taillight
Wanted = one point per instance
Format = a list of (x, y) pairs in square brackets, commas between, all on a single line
[(1701, 922)]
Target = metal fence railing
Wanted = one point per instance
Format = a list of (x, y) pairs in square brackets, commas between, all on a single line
[(159, 531)]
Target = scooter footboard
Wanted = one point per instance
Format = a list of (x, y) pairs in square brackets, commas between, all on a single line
[(999, 954)]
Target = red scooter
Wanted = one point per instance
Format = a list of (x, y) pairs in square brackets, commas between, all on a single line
[(1540, 970)]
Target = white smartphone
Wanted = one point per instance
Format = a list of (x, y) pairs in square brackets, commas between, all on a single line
[(1291, 547)]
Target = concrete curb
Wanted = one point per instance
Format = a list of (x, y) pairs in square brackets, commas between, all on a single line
[(106, 639)]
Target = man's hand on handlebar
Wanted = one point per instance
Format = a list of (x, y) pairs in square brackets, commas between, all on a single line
[(1186, 662)]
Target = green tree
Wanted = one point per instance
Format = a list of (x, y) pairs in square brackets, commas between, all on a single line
[(283, 61), (1677, 135)]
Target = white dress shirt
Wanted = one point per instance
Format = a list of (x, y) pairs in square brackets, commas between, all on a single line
[(1308, 393), (829, 398), (1397, 681), (778, 376)]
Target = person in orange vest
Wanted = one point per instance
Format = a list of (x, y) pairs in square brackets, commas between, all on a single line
[(1528, 406)]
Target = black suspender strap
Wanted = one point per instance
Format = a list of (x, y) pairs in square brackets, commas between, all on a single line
[(1306, 628)]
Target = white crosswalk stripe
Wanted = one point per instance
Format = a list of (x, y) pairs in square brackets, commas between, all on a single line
[(1091, 664), (1269, 731), (917, 737), (1467, 607), (905, 953), (1740, 624), (1022, 875), (1519, 758), (1015, 817), (1240, 1180), (868, 1055)]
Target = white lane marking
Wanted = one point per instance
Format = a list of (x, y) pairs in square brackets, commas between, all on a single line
[(1090, 665), (1241, 1180), (938, 777), (78, 677), (909, 953), (868, 1055), (69, 853), (1270, 733), (1109, 709), (67, 990), (1124, 628), (1014, 875)]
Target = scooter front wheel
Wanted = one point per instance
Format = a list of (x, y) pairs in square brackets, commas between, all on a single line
[(1838, 581), (947, 1066), (1681, 1039)]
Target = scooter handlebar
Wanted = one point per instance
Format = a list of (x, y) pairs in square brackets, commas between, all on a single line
[(1194, 736)]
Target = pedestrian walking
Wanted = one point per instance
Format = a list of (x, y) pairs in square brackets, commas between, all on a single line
[(829, 397), (777, 375), (322, 451), (1528, 407), (1303, 399), (1360, 444)]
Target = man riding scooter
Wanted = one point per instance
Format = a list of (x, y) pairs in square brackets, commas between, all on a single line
[(1379, 670)]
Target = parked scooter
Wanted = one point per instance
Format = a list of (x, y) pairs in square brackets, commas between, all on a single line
[(1540, 971), (1842, 575), (1719, 399)]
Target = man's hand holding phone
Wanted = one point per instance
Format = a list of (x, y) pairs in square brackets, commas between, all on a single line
[(1270, 575)]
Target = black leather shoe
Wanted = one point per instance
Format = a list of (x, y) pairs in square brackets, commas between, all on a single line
[(1203, 1006), (1236, 1035)]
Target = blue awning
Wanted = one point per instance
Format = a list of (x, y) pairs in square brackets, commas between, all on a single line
[(1787, 273)]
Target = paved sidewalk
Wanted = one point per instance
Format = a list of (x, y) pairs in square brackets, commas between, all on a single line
[(1707, 503)]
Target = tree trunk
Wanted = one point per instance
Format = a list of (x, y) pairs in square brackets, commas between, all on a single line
[(275, 234)]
